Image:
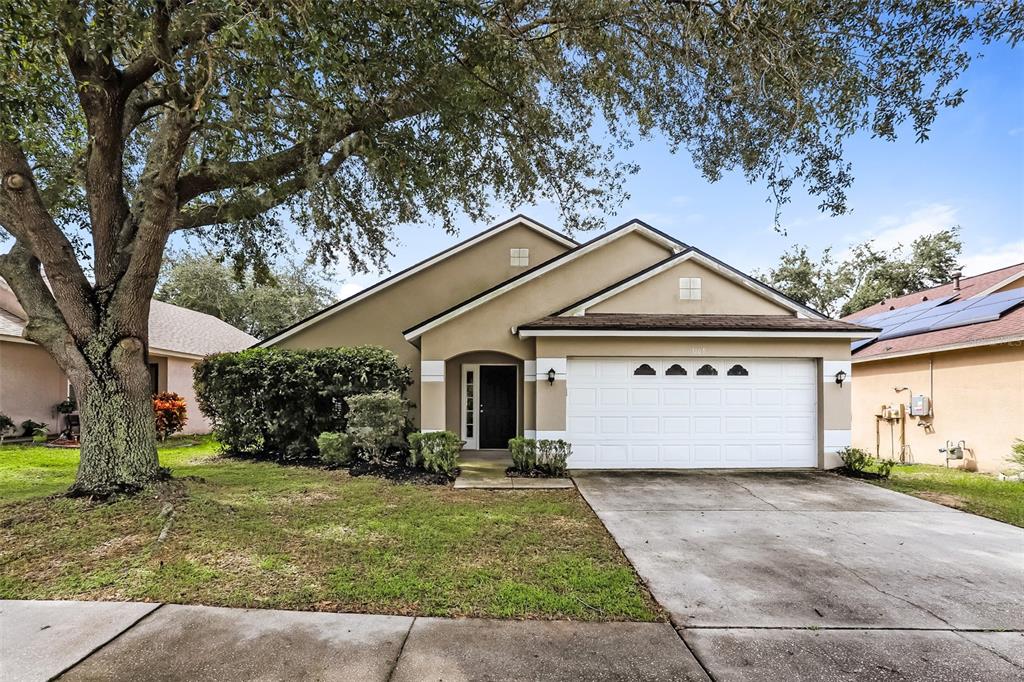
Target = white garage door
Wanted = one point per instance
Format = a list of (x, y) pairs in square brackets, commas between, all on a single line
[(627, 413)]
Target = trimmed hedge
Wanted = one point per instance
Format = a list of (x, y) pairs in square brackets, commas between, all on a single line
[(549, 457), (524, 453), (271, 402), (436, 451)]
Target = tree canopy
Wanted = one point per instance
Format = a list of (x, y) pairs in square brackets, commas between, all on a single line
[(867, 274), (125, 123), (261, 308)]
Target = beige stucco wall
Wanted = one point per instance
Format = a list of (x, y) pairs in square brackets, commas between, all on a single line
[(977, 396), (488, 326), (660, 294), (30, 384), (177, 377), (380, 318)]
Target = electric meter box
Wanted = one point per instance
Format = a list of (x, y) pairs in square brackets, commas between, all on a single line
[(920, 406)]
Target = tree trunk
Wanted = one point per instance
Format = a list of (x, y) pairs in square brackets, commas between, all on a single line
[(115, 404)]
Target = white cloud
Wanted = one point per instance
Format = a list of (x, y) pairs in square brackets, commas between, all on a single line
[(350, 288), (892, 231), (977, 262)]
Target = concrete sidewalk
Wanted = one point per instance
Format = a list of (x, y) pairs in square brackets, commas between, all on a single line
[(41, 640)]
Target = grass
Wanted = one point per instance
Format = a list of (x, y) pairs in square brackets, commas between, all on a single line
[(981, 494), (256, 534)]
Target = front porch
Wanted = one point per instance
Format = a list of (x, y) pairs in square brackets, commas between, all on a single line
[(485, 469)]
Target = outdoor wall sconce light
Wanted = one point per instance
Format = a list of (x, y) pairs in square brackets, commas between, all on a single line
[(840, 378), (551, 376)]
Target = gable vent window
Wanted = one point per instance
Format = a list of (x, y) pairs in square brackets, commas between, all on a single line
[(644, 370), (707, 371), (689, 288), (738, 371), (520, 258), (675, 371)]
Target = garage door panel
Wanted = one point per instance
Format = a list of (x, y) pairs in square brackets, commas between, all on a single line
[(612, 397), (707, 397), (762, 415), (675, 397), (645, 425), (675, 425), (643, 397)]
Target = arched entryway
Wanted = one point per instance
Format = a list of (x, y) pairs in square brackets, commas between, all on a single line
[(484, 398)]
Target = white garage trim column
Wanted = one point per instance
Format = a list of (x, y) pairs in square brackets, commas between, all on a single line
[(836, 411), (550, 404), (432, 395)]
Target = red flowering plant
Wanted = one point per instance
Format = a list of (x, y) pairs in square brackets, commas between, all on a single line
[(171, 414)]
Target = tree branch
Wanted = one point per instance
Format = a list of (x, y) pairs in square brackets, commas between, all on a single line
[(23, 214), (252, 206)]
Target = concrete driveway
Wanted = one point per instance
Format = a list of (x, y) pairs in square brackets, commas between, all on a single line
[(813, 576)]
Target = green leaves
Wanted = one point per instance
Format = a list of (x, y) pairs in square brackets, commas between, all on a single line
[(345, 117), (867, 275)]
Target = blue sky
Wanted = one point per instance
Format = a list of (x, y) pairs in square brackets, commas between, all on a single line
[(970, 172)]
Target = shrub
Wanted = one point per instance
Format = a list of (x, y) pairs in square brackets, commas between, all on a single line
[(885, 467), (524, 453), (855, 459), (335, 448), (437, 451), (376, 422), (171, 414), (1017, 453), (270, 402), (552, 456), (6, 426), (40, 433), (28, 427)]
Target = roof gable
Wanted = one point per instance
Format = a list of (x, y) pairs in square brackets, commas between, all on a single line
[(518, 220), (634, 227), (778, 302)]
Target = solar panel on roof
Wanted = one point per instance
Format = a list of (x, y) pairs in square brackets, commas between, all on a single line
[(924, 321), (857, 345), (987, 309)]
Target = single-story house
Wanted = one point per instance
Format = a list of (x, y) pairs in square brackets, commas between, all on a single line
[(31, 384), (947, 367), (642, 351)]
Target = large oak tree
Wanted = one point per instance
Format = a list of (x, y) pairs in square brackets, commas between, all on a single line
[(124, 123)]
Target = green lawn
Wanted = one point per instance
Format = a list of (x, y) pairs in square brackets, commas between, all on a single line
[(977, 493), (262, 535)]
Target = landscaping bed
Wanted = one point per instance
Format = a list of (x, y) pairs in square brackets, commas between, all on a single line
[(258, 534)]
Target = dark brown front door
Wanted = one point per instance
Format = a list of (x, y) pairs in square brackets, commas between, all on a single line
[(497, 405)]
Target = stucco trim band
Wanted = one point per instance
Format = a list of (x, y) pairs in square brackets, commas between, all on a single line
[(560, 365), (432, 370), (527, 333)]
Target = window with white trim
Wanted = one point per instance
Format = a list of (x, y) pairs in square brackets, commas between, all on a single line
[(520, 258), (689, 288)]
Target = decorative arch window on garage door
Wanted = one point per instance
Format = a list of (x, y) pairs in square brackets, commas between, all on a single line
[(644, 370), (675, 370), (737, 371), (707, 371)]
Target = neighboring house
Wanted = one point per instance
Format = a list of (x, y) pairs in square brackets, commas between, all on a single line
[(961, 346), (642, 351), (31, 384)]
